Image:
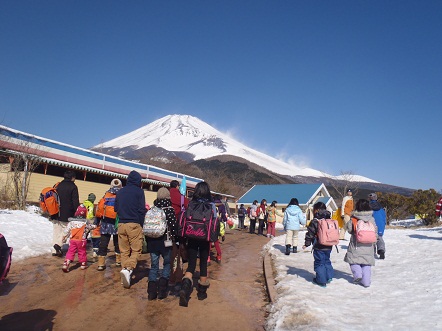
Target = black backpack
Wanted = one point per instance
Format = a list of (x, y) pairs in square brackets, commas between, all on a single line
[(197, 222)]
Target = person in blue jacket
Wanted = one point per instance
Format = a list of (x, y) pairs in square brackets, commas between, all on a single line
[(130, 206), (293, 218), (380, 218)]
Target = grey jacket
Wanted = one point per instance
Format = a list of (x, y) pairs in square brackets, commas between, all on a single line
[(358, 253)]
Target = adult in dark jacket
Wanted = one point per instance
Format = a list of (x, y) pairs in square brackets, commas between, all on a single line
[(321, 253), (130, 206), (161, 246), (380, 217), (69, 202)]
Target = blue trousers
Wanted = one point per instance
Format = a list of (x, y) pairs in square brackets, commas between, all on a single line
[(155, 264), (323, 267)]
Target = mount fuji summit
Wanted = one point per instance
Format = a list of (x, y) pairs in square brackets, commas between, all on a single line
[(186, 134)]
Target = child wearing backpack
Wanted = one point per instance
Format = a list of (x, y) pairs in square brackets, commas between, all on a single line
[(321, 253), (89, 204), (242, 212), (77, 230), (161, 247), (106, 218), (360, 252)]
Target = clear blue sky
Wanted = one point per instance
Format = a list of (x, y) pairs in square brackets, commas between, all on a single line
[(336, 85)]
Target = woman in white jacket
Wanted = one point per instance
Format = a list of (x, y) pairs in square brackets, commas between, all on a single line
[(293, 218)]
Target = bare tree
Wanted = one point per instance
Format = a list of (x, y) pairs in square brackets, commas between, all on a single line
[(345, 181), (23, 162)]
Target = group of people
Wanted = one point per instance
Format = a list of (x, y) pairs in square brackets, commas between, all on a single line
[(120, 215), (360, 256), (263, 214)]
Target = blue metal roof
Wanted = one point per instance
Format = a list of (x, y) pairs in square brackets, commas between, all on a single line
[(282, 193)]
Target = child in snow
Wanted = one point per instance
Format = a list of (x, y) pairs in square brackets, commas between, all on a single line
[(360, 256), (321, 253), (77, 230), (293, 218)]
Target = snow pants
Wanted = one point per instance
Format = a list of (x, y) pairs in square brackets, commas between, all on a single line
[(77, 246), (380, 244), (322, 265), (362, 272), (271, 228), (291, 238)]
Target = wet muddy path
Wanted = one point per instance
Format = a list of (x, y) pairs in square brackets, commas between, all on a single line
[(39, 296)]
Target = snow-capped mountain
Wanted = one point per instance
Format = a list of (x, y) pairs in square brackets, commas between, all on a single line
[(186, 133)]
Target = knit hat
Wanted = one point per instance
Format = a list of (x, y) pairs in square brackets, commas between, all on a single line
[(349, 190), (116, 183), (163, 193), (91, 197), (373, 196)]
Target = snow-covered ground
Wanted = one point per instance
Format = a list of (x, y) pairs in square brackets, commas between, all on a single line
[(405, 294), (406, 290)]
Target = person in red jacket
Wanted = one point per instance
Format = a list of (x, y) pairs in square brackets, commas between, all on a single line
[(439, 208), (179, 251)]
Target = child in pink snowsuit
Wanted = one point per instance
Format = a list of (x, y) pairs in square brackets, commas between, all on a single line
[(77, 230)]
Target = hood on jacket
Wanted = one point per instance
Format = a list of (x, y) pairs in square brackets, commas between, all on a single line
[(293, 210), (375, 205), (134, 178), (320, 214)]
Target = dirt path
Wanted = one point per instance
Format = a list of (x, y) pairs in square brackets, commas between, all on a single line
[(39, 296)]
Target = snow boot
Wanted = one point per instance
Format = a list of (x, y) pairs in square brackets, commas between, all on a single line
[(65, 267), (101, 263), (152, 290), (202, 290), (287, 249), (186, 289), (381, 255), (58, 251), (117, 259), (162, 288), (295, 249)]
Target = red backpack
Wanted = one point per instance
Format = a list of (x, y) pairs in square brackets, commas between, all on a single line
[(328, 232)]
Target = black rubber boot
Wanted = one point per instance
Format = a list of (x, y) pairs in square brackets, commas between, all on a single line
[(287, 249), (162, 288), (202, 290), (381, 255), (152, 290), (295, 249), (186, 288)]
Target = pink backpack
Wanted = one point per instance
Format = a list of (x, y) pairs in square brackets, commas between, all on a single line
[(328, 232), (364, 231)]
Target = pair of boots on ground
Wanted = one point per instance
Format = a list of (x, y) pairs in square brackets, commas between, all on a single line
[(186, 289), (157, 289), (287, 249)]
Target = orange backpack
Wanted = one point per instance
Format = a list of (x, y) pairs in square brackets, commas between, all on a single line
[(49, 201), (106, 205)]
